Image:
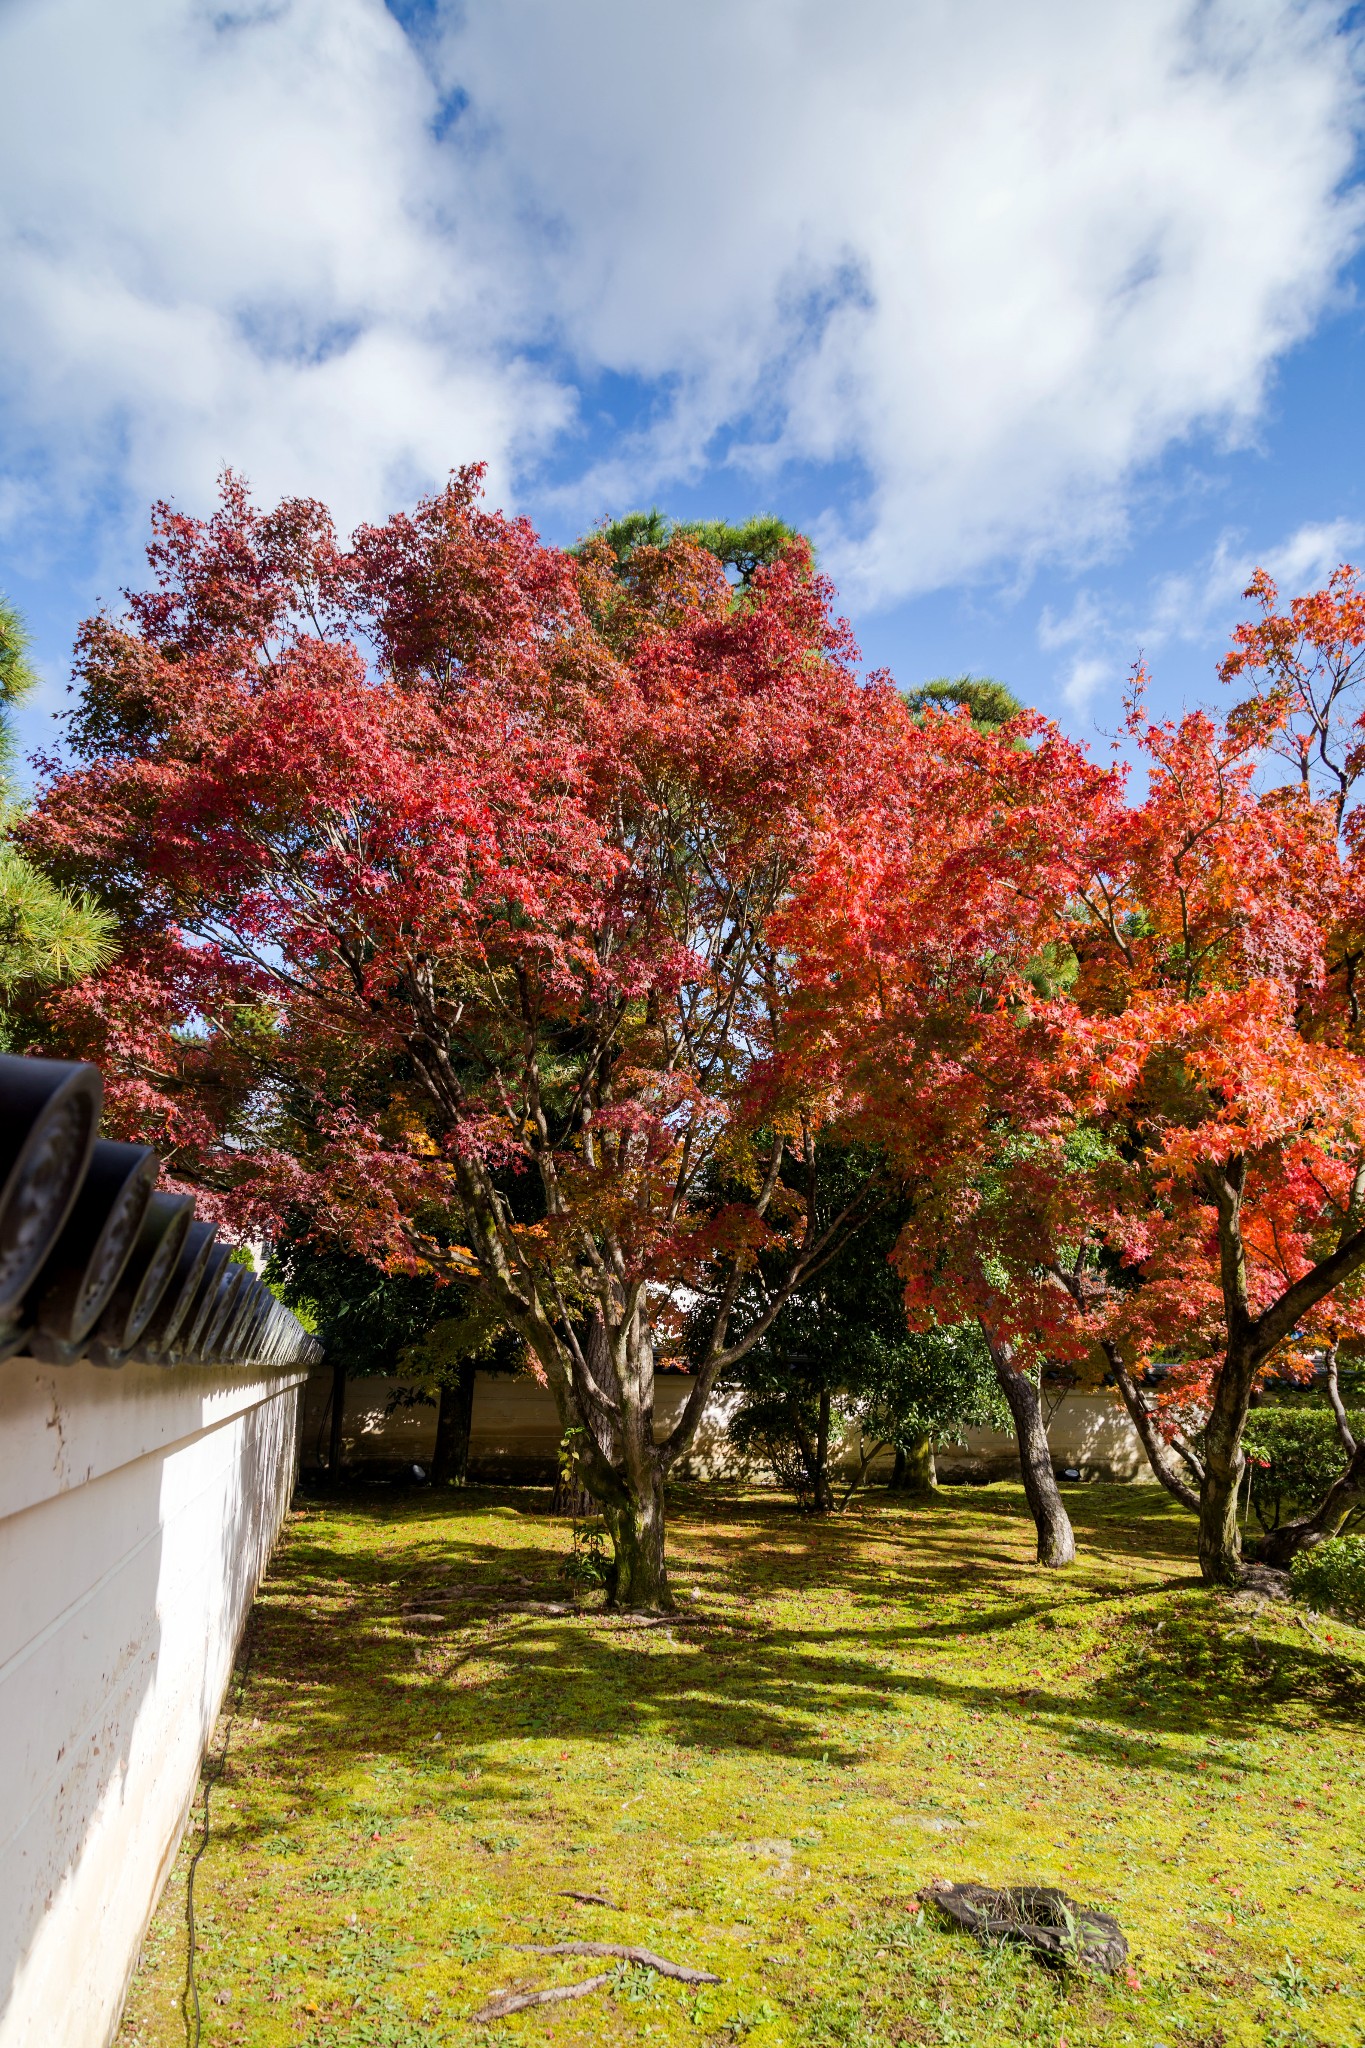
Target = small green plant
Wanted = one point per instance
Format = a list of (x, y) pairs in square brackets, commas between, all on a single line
[(1293, 1455), (1071, 1940), (636, 1985), (1333, 1575), (468, 1945), (587, 1566), (1290, 1983)]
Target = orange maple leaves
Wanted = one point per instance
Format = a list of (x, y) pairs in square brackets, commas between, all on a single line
[(1064, 1012)]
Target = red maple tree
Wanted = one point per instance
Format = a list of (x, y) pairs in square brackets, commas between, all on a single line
[(929, 935), (1305, 668), (1121, 1079), (447, 865)]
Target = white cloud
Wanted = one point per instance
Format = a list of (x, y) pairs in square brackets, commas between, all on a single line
[(1197, 608), (1205, 603), (994, 254), (1083, 678), (228, 236), (1085, 620), (999, 253)]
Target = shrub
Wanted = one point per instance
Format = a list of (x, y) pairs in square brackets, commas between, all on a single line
[(1295, 1455), (1333, 1575)]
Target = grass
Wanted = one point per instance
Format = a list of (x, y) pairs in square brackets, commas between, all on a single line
[(425, 1759)]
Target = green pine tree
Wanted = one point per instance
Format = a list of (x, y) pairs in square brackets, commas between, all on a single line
[(990, 703), (742, 547), (46, 933)]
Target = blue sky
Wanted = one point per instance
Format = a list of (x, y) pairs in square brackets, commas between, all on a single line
[(1044, 319)]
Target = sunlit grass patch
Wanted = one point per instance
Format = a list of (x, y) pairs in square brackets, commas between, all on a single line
[(434, 1746)]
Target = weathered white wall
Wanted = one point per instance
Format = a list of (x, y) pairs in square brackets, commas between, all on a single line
[(366, 1431), (516, 1432), (1091, 1432), (515, 1429), (137, 1512)]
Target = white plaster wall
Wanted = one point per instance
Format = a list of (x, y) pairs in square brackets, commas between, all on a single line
[(138, 1509), (515, 1433), (515, 1426), (367, 1432), (1092, 1432)]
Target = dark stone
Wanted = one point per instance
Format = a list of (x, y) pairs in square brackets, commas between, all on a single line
[(1038, 1917), (1266, 1580)]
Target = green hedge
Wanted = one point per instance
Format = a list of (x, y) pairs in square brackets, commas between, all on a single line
[(1295, 1455), (1333, 1575)]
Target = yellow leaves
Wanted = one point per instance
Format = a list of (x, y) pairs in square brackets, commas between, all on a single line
[(743, 1155), (401, 1125)]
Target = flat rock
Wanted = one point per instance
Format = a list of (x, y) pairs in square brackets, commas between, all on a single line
[(1037, 1917), (1267, 1581)]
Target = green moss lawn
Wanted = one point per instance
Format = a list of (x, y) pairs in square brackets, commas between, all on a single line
[(427, 1757)]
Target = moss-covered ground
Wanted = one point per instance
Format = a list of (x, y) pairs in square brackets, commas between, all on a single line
[(428, 1755)]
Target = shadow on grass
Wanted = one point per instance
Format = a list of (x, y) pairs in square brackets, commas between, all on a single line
[(438, 1630)]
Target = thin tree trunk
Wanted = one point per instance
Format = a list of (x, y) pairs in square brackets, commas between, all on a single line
[(811, 1459), (915, 1470), (1153, 1443), (822, 1493), (454, 1419), (866, 1453), (1338, 1406), (1056, 1538), (337, 1424), (1343, 1497)]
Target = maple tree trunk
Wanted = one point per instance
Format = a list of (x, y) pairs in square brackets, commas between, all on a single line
[(1220, 1539), (454, 1418), (639, 1580), (915, 1470), (1250, 1344), (337, 1422), (1159, 1455), (628, 1482), (1056, 1538)]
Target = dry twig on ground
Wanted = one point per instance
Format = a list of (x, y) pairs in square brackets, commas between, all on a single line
[(645, 1957), (508, 2002)]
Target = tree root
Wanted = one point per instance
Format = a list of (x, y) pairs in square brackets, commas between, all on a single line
[(508, 2002), (645, 1957), (517, 2001)]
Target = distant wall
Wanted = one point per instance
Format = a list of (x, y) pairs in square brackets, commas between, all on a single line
[(138, 1508), (1089, 1433), (516, 1433)]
